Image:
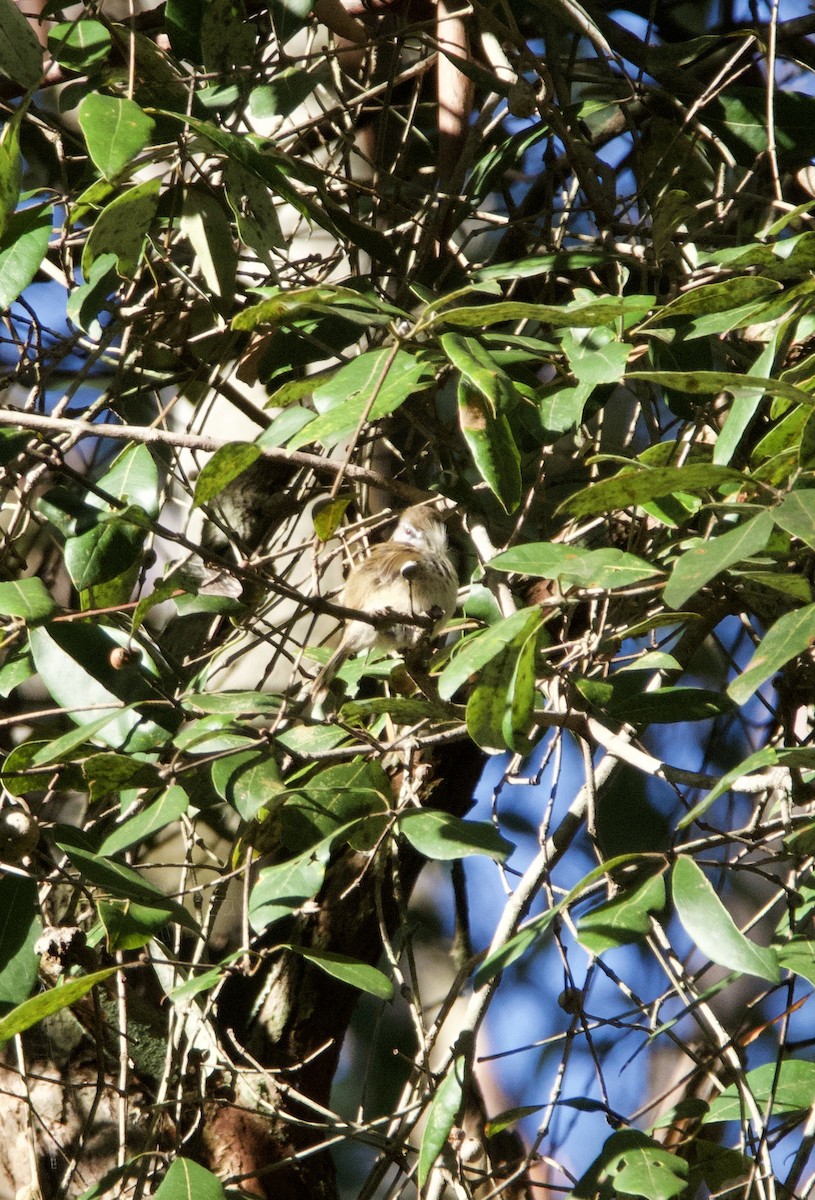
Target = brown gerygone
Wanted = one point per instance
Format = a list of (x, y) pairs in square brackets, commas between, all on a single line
[(410, 576)]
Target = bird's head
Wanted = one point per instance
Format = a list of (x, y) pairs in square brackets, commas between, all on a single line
[(420, 529)]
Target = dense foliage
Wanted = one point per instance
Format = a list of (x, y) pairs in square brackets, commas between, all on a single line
[(268, 274)]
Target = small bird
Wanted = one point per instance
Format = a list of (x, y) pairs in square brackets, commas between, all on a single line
[(410, 575)]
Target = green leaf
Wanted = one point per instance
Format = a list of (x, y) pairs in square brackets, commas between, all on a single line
[(709, 924), (282, 889), (519, 713), (707, 559), (286, 307), (562, 410), (86, 302), (715, 297), (626, 918), (108, 773), (739, 116), (227, 39), (798, 956), (746, 401), (203, 982), (169, 806), (132, 478), (62, 747), (767, 757), (236, 704), (73, 661), (510, 1117), (16, 669), (79, 45), (309, 741), (285, 91), (441, 1117), (440, 835), (248, 781), (796, 514), (491, 444), (471, 654), (633, 1164), (346, 797), (24, 243), (788, 1085), (118, 879), (328, 516), (26, 598), (710, 383), (480, 369), (376, 383), (637, 487), (116, 131), (19, 929), (573, 565), (255, 215), (204, 223), (20, 51), (534, 931), (226, 464), (104, 552), (596, 358), (501, 705), (10, 170), (212, 735), (670, 705), (602, 311), (513, 949), (30, 1012), (357, 974), (129, 926), (183, 21), (186, 1180), (791, 635), (122, 227)]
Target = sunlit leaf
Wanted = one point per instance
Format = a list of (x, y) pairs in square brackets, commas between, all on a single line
[(475, 652), (626, 918), (26, 598), (574, 565), (24, 243), (226, 465), (708, 558), (121, 228), (370, 387), (714, 931), (349, 970), (187, 1180), (116, 131), (791, 635), (788, 1085), (169, 806), (79, 45), (283, 889), (32, 1011), (441, 1117), (637, 487), (633, 1164), (442, 836)]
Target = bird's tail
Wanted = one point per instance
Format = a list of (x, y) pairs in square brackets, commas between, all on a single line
[(321, 686)]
